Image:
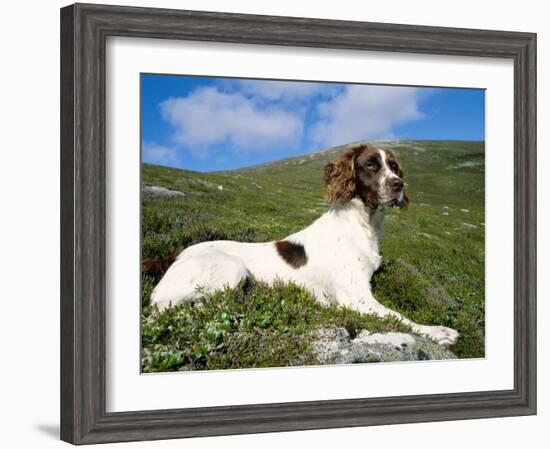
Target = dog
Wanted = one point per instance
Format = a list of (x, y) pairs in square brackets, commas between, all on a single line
[(334, 258)]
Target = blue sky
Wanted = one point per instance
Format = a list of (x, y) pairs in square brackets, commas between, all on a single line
[(209, 123)]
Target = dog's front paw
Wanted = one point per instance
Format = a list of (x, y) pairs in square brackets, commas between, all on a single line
[(445, 336)]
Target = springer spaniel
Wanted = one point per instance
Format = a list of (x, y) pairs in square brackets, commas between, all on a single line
[(334, 257)]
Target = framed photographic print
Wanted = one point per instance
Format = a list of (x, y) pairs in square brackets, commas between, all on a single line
[(273, 223)]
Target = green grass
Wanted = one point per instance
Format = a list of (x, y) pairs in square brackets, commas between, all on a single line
[(432, 270), (253, 325)]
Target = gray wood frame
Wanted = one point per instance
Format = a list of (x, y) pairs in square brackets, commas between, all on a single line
[(84, 29)]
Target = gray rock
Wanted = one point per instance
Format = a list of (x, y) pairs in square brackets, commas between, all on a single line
[(160, 191), (333, 345), (329, 343)]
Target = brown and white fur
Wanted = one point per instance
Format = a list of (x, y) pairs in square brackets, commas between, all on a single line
[(335, 257)]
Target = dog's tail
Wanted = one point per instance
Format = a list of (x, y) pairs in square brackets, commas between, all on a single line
[(157, 267)]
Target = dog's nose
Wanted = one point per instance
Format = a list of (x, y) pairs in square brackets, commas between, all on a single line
[(396, 184)]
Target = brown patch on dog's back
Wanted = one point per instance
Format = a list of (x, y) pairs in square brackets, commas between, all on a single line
[(293, 254)]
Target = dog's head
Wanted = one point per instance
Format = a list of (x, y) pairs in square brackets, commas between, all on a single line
[(373, 175)]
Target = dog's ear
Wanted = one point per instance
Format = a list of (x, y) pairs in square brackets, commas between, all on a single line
[(340, 176), (403, 203)]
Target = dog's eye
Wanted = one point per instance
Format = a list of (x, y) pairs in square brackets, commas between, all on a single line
[(371, 165), (393, 167)]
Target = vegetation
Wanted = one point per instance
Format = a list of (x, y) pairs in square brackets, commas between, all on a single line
[(253, 325), (433, 268)]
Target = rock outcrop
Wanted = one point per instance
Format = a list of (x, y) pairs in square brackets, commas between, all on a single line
[(333, 345)]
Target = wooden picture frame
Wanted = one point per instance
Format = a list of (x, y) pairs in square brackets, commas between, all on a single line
[(84, 29)]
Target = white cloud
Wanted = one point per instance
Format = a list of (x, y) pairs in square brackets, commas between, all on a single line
[(286, 91), (365, 112), (158, 154), (207, 117)]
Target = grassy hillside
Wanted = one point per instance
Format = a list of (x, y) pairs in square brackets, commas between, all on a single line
[(433, 269)]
